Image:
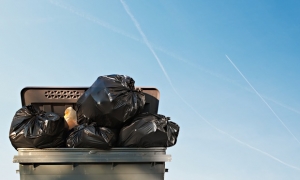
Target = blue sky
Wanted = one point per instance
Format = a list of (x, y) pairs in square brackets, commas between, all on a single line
[(238, 120)]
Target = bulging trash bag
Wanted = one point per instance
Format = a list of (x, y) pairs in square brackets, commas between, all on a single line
[(110, 101), (149, 130), (91, 136), (33, 128)]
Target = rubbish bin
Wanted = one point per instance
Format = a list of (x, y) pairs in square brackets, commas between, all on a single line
[(87, 163)]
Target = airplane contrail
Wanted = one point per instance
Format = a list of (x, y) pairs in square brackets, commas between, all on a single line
[(283, 105), (93, 19), (121, 32), (116, 30), (137, 25), (170, 82), (262, 99)]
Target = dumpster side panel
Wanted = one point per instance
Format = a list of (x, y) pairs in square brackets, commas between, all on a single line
[(108, 171), (84, 163)]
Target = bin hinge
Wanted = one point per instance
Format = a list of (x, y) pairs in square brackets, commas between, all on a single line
[(34, 166), (153, 164), (112, 166), (17, 171), (74, 165)]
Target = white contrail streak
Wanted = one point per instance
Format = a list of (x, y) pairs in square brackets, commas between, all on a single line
[(262, 99), (121, 32), (283, 105), (169, 80), (137, 25), (116, 30), (93, 19), (236, 139)]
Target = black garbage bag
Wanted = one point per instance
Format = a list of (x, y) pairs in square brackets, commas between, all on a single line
[(149, 130), (110, 101), (91, 136), (33, 128)]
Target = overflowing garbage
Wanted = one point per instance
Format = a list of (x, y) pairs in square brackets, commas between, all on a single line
[(91, 136), (33, 128), (110, 101), (110, 113), (149, 130)]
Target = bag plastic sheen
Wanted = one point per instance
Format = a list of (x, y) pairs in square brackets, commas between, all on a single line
[(33, 128), (91, 136), (110, 101), (149, 130)]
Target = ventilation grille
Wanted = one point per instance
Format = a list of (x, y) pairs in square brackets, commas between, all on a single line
[(62, 94)]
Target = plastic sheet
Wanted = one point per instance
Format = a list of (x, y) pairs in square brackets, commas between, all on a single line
[(149, 130), (33, 128), (110, 101), (91, 136)]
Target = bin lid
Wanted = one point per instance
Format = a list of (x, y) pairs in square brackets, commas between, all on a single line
[(57, 99)]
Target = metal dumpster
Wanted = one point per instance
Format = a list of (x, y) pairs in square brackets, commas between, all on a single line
[(87, 163)]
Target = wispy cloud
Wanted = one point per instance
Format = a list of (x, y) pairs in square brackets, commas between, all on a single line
[(192, 108), (263, 100)]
